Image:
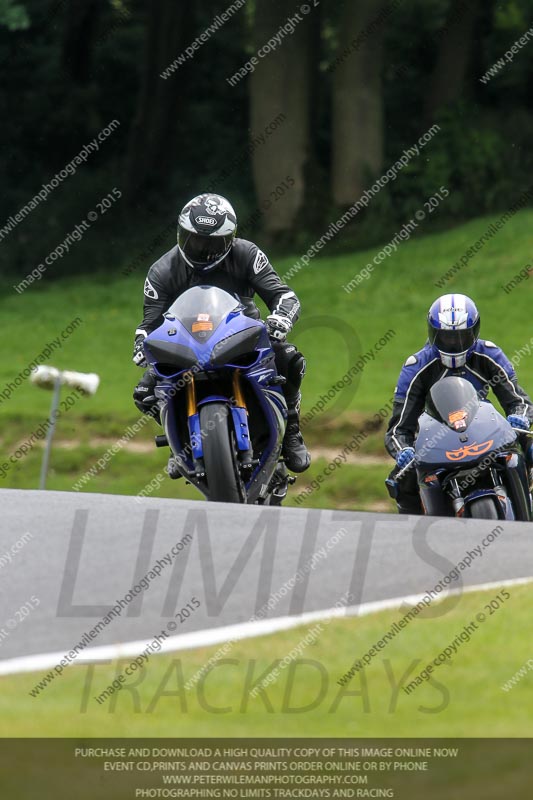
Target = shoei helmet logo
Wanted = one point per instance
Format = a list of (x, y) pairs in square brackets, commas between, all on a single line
[(469, 450), (207, 221)]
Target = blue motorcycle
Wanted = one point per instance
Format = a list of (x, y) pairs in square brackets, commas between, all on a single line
[(469, 460), (220, 398)]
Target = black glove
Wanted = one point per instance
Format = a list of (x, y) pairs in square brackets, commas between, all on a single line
[(138, 352), (278, 326), (144, 395)]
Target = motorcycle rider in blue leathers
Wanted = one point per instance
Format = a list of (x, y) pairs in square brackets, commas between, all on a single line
[(453, 348), (208, 252)]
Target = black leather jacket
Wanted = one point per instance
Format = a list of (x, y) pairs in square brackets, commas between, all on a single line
[(244, 272)]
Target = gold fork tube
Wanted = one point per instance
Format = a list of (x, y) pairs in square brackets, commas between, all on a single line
[(191, 395), (237, 390)]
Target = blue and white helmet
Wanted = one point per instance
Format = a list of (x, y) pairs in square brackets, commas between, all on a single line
[(207, 228), (453, 328)]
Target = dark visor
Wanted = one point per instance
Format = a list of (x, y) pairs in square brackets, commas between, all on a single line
[(454, 341), (203, 249)]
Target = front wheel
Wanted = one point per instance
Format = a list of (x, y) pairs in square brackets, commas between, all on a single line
[(483, 508), (220, 455)]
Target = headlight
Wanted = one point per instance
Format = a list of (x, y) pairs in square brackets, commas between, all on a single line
[(235, 346), (173, 354)]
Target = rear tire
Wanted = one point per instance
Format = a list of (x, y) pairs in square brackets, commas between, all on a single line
[(483, 508), (220, 455)]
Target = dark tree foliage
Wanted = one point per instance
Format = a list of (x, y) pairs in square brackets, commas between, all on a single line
[(356, 83)]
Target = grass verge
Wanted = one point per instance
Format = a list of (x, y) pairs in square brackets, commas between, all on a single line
[(462, 698)]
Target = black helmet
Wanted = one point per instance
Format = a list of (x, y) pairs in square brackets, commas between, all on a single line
[(206, 229)]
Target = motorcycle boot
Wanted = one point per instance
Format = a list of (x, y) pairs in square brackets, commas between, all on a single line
[(296, 455)]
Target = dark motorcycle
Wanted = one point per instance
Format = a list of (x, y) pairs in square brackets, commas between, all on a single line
[(469, 461)]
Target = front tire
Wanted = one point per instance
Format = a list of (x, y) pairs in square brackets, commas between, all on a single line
[(220, 455), (483, 508)]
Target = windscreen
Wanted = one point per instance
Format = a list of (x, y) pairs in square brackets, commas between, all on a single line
[(453, 401), (202, 309)]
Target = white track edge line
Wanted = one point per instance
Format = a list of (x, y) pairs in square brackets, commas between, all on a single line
[(226, 633)]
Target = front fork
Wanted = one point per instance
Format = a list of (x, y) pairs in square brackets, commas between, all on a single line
[(239, 413), (238, 395), (191, 395), (458, 500)]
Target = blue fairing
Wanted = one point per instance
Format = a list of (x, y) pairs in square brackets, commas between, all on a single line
[(206, 333)]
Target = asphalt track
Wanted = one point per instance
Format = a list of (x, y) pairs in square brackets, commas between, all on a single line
[(88, 550)]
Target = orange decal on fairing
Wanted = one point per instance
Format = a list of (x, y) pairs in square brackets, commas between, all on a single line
[(456, 415), (458, 419), (469, 450), (202, 326)]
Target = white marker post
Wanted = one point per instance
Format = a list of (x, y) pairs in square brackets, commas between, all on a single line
[(52, 378)]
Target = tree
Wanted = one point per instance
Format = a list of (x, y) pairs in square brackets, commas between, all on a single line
[(13, 15), (157, 100), (78, 38), (280, 84), (455, 48), (357, 136)]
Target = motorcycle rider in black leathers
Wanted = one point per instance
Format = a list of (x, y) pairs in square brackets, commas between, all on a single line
[(453, 348), (208, 253)]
